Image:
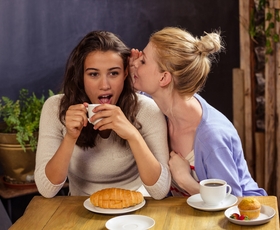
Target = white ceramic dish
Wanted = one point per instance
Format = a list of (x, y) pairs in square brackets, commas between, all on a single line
[(89, 206), (129, 222), (265, 216), (196, 201)]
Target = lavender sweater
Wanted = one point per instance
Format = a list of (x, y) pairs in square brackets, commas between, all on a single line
[(219, 154)]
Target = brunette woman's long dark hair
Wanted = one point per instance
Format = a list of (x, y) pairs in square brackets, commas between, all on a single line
[(73, 84)]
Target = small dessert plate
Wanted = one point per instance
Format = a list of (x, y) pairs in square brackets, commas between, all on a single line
[(196, 202), (265, 216), (129, 222)]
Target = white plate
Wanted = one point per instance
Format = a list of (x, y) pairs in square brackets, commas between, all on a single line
[(129, 222), (266, 214), (196, 202), (89, 206)]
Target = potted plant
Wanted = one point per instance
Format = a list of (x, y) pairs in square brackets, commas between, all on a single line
[(18, 136)]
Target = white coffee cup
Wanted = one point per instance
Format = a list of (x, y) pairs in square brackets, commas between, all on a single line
[(214, 191), (90, 113)]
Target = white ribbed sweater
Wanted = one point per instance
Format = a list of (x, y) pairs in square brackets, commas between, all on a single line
[(108, 164)]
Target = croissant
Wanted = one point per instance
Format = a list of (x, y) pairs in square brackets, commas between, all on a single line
[(116, 198)]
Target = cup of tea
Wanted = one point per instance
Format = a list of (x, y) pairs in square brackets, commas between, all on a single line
[(90, 113), (214, 191)]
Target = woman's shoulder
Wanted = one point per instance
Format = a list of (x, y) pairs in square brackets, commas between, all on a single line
[(147, 103), (52, 104), (50, 111), (54, 100), (149, 115), (145, 99)]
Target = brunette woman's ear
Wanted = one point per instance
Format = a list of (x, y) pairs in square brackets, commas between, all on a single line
[(165, 79), (126, 73)]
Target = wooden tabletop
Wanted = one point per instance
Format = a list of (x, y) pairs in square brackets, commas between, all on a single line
[(68, 212)]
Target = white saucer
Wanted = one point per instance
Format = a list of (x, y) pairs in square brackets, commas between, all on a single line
[(89, 206), (266, 214), (196, 202), (130, 222)]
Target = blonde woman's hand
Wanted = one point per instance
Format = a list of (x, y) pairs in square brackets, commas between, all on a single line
[(135, 54), (76, 119), (179, 166)]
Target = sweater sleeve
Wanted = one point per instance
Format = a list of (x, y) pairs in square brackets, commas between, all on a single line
[(50, 137), (221, 164), (219, 154), (154, 132)]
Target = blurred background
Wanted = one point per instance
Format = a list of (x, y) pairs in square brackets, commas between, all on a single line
[(37, 36)]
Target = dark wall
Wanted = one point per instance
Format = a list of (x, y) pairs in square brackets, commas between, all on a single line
[(36, 37)]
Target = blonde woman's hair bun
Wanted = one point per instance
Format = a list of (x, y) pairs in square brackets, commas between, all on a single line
[(210, 43)]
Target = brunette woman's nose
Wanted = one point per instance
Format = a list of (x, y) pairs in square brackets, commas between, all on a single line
[(104, 83)]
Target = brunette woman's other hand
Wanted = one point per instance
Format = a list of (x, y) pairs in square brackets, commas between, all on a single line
[(75, 120)]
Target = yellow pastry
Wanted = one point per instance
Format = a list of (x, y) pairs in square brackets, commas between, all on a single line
[(249, 207), (116, 198)]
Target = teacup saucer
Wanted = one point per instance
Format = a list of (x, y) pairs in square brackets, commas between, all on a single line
[(136, 222), (196, 202)]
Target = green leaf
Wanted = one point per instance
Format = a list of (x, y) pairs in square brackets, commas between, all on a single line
[(268, 16), (277, 16), (276, 38)]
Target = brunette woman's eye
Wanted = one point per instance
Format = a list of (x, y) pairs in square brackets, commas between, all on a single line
[(115, 73), (93, 74), (142, 61)]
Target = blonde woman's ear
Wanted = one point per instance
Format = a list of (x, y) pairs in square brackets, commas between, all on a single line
[(165, 79)]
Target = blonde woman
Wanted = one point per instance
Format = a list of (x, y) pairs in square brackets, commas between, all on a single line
[(172, 69)]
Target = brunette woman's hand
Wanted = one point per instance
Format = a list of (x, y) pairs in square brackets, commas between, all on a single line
[(76, 119), (113, 118)]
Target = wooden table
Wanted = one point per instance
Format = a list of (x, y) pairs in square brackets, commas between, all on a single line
[(68, 212)]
